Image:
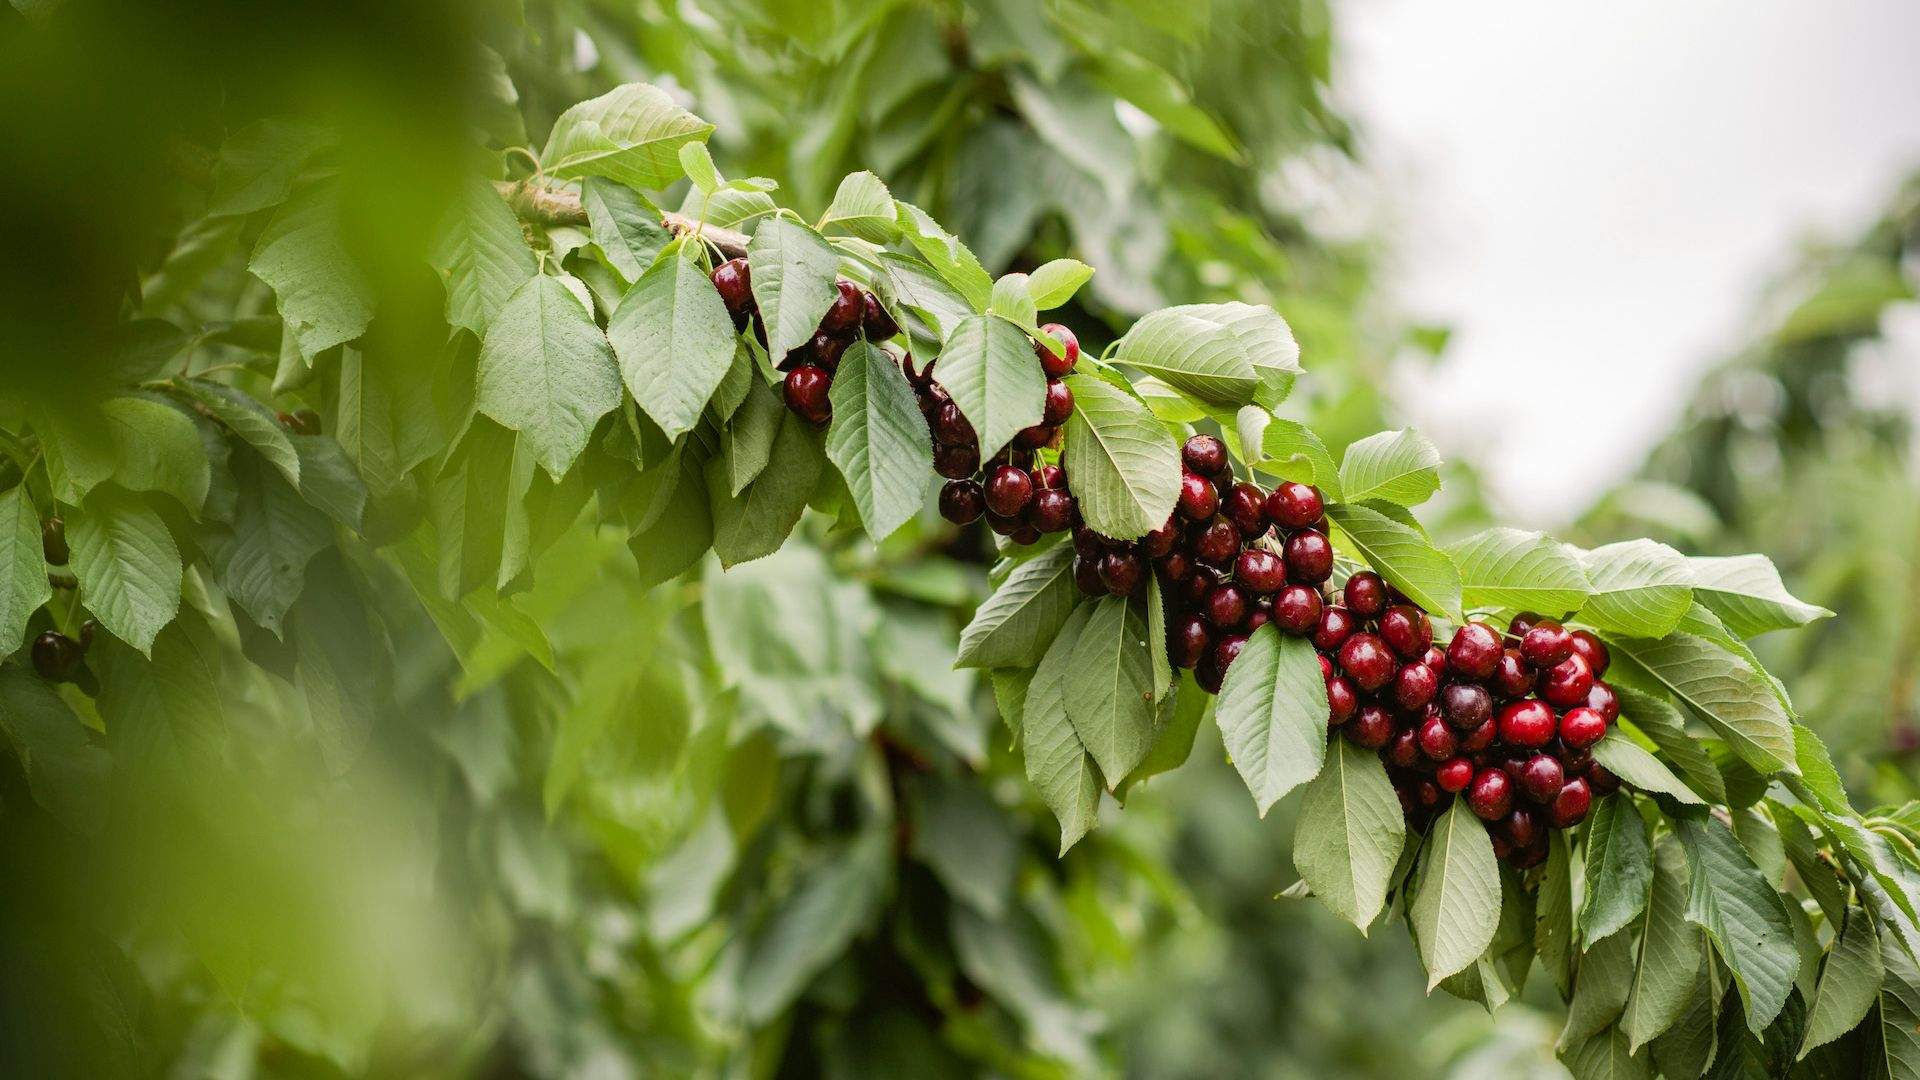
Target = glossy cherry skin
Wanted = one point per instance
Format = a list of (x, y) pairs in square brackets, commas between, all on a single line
[(1008, 489), (1454, 774), (1403, 749), (1296, 609), (1294, 505), (1059, 404), (1527, 722), (1188, 639), (1581, 727), (1570, 807), (1414, 685), (1025, 535), (1601, 780), (1370, 727), (1603, 700), (1208, 676), (1474, 651), (1366, 595), (1217, 542), (1048, 476), (1342, 700), (1120, 573), (735, 284), (1227, 649), (827, 350), (1261, 571), (1003, 525), (1309, 557), (1513, 677), (1590, 649), (1086, 575), (1225, 607), (1205, 455), (1546, 644), (1567, 683), (1367, 660), (1175, 566), (1058, 367), (1051, 511), (1541, 777), (1436, 658), (1490, 795), (1521, 829), (1407, 629), (843, 315), (1198, 499), (1437, 740), (53, 541), (55, 656), (950, 426), (1160, 541), (875, 322), (1259, 614), (1474, 740), (1518, 626), (806, 393), (1033, 438), (1334, 628), (962, 502), (1243, 506), (1465, 705)]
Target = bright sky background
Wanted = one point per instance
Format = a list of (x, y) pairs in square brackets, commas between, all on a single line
[(1592, 195)]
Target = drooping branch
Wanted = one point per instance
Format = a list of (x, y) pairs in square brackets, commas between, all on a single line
[(548, 207)]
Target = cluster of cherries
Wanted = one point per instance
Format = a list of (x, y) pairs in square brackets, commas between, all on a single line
[(1020, 500), (809, 367)]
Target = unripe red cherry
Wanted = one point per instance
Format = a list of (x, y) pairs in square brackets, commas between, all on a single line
[(1367, 660), (1474, 651), (1009, 489), (875, 322), (1414, 685), (1603, 700), (1437, 740), (1546, 644), (1582, 727), (1160, 541), (1227, 649), (1521, 828), (1059, 404), (962, 502), (1403, 749), (1342, 700), (1454, 774), (1541, 777), (1334, 628), (1294, 505), (1051, 511), (1518, 626), (1188, 639), (1513, 677), (1474, 740), (1217, 542), (1296, 609), (1527, 722), (1086, 575), (843, 315), (1261, 571), (1243, 506), (1370, 727), (1198, 500), (1225, 607), (806, 393), (1465, 705), (1590, 649), (1569, 807), (1407, 630), (1119, 572), (1490, 795), (1601, 780), (1205, 455), (1366, 595), (735, 285), (1058, 366), (1567, 683), (1309, 557)]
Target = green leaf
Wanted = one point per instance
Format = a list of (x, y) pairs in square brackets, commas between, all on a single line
[(260, 162), (750, 436), (1722, 689), (1156, 92), (1058, 764), (1124, 465), (1672, 955), (1456, 905), (939, 305), (834, 899), (1402, 555), (1053, 283), (1746, 917), (66, 770), (261, 561), (23, 568), (1400, 467), (968, 842), (128, 566), (1156, 605), (1015, 625), (697, 163), (1273, 715), (683, 531), (464, 503), (674, 340), (329, 481), (253, 422), (1748, 595), (1894, 1049), (1850, 981), (164, 715), (757, 522), (949, 258), (1012, 301), (863, 207), (1600, 988), (1253, 333), (1553, 911), (157, 448), (1604, 1056), (1619, 869), (793, 272), (1290, 449), (1350, 832), (322, 296), (1193, 352), (1640, 588), (632, 133), (1108, 688), (878, 439), (1631, 762), (1660, 721), (1509, 568), (547, 372), (482, 255), (626, 227), (989, 370)]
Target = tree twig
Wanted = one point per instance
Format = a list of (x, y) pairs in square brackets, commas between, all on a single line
[(545, 206)]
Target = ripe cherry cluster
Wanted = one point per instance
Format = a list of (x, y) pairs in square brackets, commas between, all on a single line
[(1019, 499), (809, 367)]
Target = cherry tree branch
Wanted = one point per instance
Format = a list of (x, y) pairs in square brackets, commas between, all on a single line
[(547, 207)]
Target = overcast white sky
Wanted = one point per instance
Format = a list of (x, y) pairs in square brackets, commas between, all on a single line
[(1591, 194)]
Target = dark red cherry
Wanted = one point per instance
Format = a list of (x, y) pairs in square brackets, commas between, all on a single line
[(1490, 795), (1601, 780), (1208, 675), (1003, 525), (1454, 774), (1008, 490), (1243, 504), (1051, 511), (1225, 607), (55, 656), (1296, 609), (962, 502), (1603, 700), (1121, 573), (1259, 614), (1436, 658), (1367, 660), (1474, 651), (1198, 500), (806, 393), (1513, 676), (1403, 749), (1406, 629), (957, 462), (1058, 366), (1175, 566), (843, 315), (1086, 574), (1261, 571), (1527, 722), (1570, 806), (1295, 505), (1567, 683), (1227, 649), (1025, 535), (1217, 542), (1059, 404), (1582, 727), (1188, 639), (1205, 455), (1474, 740), (1414, 685), (1334, 628), (1590, 649), (1437, 740), (1033, 438), (53, 541), (1521, 829), (1546, 644), (950, 426), (735, 285), (1160, 541), (1370, 727), (1309, 557), (1541, 777), (1465, 705), (1048, 476), (1366, 596), (1518, 626), (875, 322), (827, 350), (1341, 700)]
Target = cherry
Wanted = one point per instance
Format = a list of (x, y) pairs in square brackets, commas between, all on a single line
[(1048, 476), (1407, 629), (1465, 705), (1490, 795), (1033, 438), (1454, 774), (1225, 607), (735, 285), (1025, 534), (1590, 649), (1370, 727), (1582, 727), (1474, 740), (1188, 639), (1242, 505), (1175, 566), (1198, 500), (1414, 685), (1309, 557), (1529, 857), (1120, 572), (806, 393), (1569, 807), (1262, 571), (1259, 614), (875, 321), (1521, 829), (1518, 626), (1294, 505), (1334, 627), (1601, 779), (1474, 651), (55, 656), (1575, 762), (1003, 525), (1051, 511), (1567, 683), (1326, 665), (1365, 657), (1009, 489), (1227, 650), (1296, 609), (1546, 644), (1058, 366), (53, 541), (1435, 658), (1366, 595), (843, 315), (1526, 723), (1437, 740), (1199, 583), (962, 502), (1541, 777), (1403, 750), (1216, 542), (1160, 541), (1059, 404), (1513, 677), (1208, 676), (1603, 700), (1205, 455), (1341, 700), (1086, 574)]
